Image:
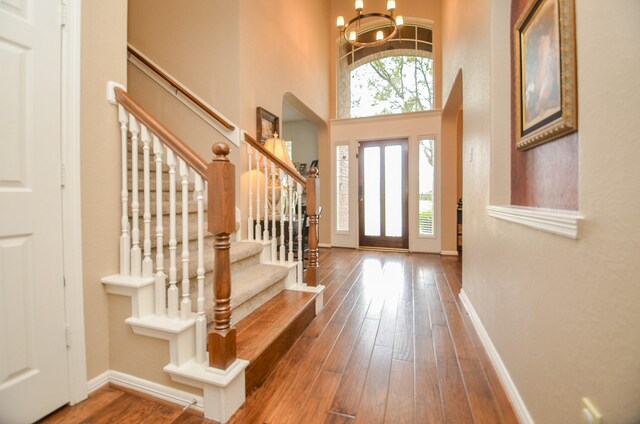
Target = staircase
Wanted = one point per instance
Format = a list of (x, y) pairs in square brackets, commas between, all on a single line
[(254, 282), (229, 308)]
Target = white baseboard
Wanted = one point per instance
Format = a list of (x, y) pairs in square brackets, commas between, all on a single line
[(324, 245), (449, 253), (147, 387), (512, 391)]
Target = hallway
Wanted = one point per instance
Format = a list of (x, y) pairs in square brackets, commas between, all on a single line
[(391, 345)]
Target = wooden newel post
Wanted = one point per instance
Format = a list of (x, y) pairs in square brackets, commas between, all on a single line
[(313, 196), (222, 217)]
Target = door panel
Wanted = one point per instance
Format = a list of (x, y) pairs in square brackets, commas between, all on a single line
[(33, 353), (383, 194)]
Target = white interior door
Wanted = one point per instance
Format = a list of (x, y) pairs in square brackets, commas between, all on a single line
[(33, 352)]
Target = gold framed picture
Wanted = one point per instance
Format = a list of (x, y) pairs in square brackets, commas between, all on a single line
[(545, 72)]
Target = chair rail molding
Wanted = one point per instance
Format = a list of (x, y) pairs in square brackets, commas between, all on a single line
[(555, 221)]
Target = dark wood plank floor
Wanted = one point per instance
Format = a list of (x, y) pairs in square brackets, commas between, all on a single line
[(392, 345), (112, 404)]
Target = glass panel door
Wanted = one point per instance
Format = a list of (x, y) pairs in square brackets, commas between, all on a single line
[(383, 194), (372, 191)]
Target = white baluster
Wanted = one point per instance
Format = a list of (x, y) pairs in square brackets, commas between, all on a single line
[(283, 252), (147, 263), (173, 292), (291, 221), (258, 226), (136, 253), (125, 239), (300, 226), (201, 321), (250, 223), (185, 305), (265, 235), (274, 242), (160, 277)]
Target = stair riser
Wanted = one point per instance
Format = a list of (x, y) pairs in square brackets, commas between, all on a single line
[(166, 184), (152, 165), (192, 205), (238, 311), (192, 228), (209, 253)]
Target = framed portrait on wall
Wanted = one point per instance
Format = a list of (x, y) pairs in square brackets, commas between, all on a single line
[(545, 72), (267, 125)]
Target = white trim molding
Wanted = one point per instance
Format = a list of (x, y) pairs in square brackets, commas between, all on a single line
[(512, 391), (72, 201), (449, 253), (556, 221), (147, 387), (324, 245)]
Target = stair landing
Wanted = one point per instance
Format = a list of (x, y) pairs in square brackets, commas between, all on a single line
[(266, 335)]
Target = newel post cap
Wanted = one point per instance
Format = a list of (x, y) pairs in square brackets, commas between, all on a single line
[(221, 150)]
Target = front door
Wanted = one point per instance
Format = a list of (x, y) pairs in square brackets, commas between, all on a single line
[(33, 352), (383, 194)]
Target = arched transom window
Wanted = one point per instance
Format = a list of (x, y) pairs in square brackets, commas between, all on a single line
[(396, 77)]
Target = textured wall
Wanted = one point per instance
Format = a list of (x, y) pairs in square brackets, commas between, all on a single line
[(104, 40), (304, 138), (562, 313)]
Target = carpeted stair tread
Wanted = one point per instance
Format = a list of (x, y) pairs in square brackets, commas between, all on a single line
[(249, 282), (241, 254), (243, 249), (250, 288)]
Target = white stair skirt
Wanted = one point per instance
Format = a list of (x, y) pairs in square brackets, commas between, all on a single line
[(223, 390)]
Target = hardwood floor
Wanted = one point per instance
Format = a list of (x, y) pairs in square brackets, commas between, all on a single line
[(112, 404), (392, 345)]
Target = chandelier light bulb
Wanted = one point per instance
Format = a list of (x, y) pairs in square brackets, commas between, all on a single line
[(390, 27)]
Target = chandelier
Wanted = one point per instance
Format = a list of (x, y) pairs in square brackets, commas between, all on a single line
[(350, 31)]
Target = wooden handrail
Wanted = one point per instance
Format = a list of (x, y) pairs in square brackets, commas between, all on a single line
[(273, 158), (178, 146), (178, 86)]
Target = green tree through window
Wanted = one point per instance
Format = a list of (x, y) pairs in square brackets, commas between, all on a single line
[(395, 84)]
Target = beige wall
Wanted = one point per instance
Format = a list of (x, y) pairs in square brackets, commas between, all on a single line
[(196, 43), (104, 37), (451, 174), (562, 313), (240, 55), (284, 51), (422, 9), (304, 141)]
